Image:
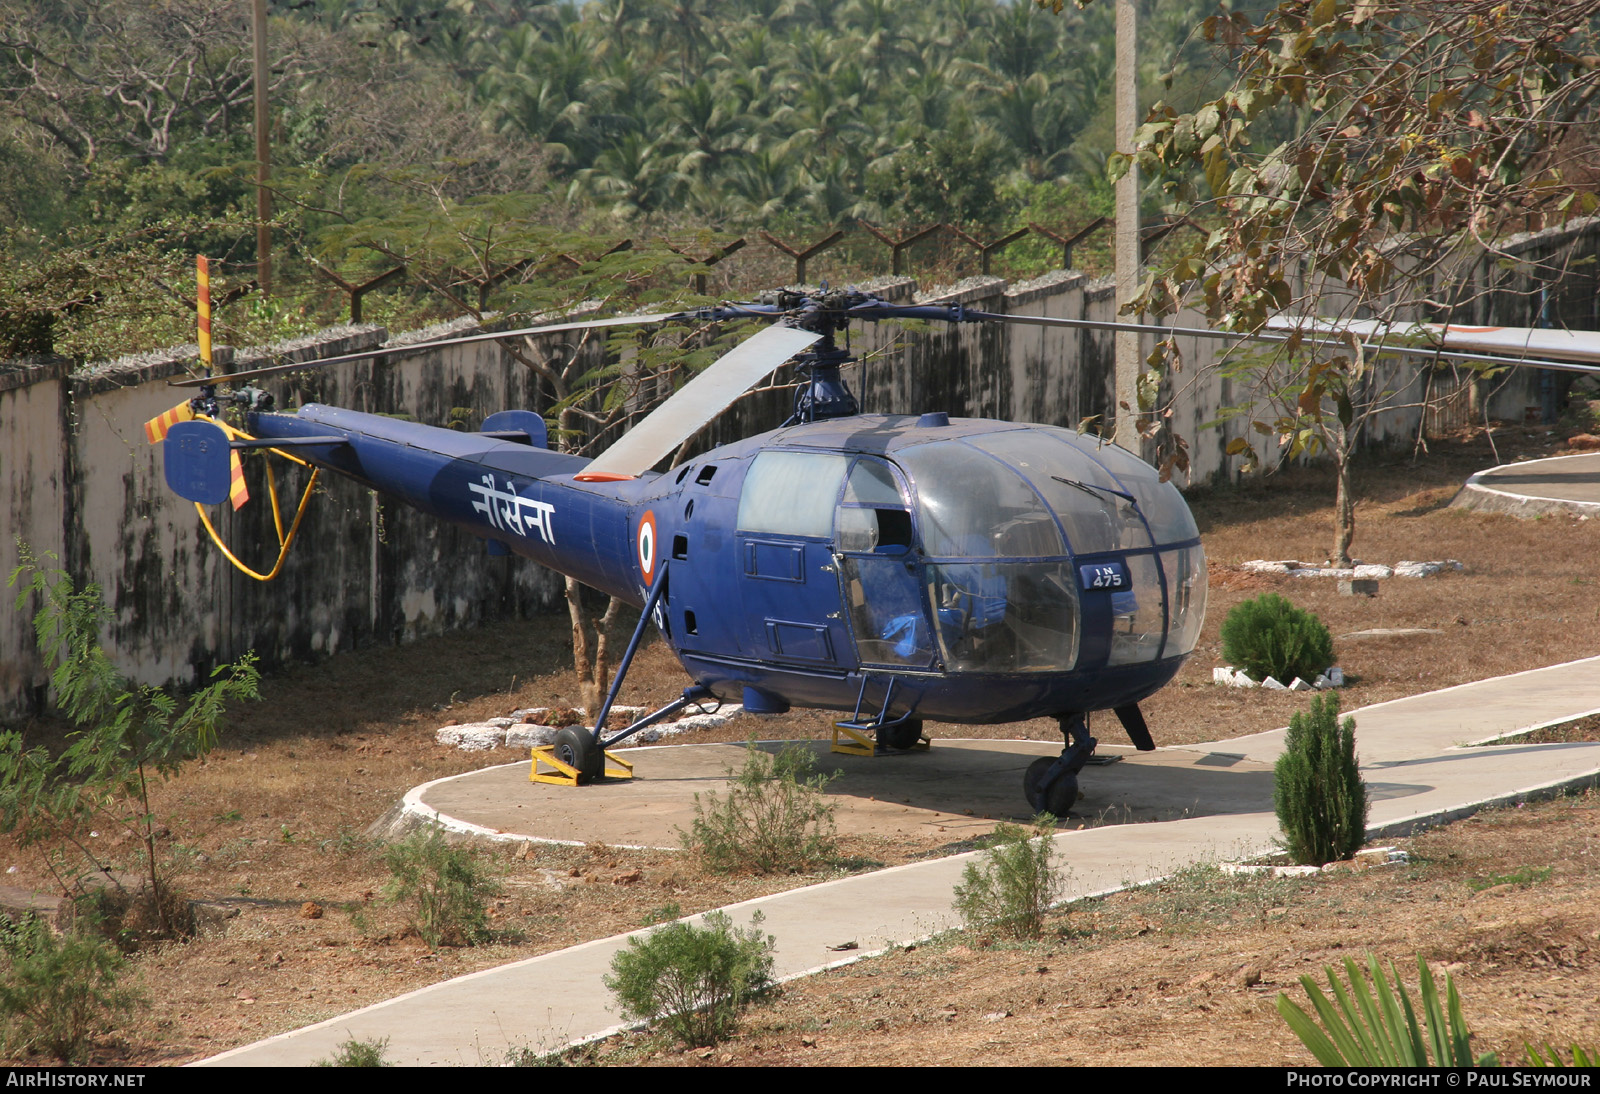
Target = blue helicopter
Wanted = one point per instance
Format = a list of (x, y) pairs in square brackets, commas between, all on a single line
[(899, 569)]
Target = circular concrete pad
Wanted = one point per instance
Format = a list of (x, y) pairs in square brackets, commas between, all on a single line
[(955, 791), (1570, 483)]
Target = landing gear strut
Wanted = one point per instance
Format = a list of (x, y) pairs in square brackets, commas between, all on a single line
[(1052, 784)]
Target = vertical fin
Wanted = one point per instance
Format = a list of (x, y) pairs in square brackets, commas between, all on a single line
[(1132, 720), (155, 430)]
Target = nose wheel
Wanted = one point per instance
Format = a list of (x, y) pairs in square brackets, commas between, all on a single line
[(1051, 783)]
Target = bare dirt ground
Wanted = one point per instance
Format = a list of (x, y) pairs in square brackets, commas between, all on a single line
[(273, 821), (1188, 971)]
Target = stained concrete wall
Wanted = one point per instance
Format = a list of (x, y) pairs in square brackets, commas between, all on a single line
[(78, 481)]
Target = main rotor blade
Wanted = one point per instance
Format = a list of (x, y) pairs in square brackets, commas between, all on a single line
[(1323, 330), (418, 347), (1506, 345), (700, 400), (1111, 325)]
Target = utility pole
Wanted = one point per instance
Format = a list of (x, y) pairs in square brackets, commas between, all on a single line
[(263, 77), (1126, 95)]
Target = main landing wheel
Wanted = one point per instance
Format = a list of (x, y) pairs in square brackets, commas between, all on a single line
[(575, 746), (902, 736), (1056, 798)]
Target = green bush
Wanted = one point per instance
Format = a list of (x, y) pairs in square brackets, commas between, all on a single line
[(353, 1053), (693, 980), (57, 994), (774, 819), (1012, 886), (1317, 789), (1269, 636), (449, 887), (1379, 1027), (127, 736)]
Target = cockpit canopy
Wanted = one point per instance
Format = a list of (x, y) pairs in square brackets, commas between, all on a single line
[(1026, 535)]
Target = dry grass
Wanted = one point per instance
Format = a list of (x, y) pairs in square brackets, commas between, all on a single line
[(1186, 972)]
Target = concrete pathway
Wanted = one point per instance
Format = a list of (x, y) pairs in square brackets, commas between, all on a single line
[(1414, 755)]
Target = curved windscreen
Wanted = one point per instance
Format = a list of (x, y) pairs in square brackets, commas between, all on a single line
[(1160, 502), (1084, 495), (1005, 616), (1010, 495), (973, 506)]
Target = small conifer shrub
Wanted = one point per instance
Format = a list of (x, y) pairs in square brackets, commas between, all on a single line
[(693, 980), (774, 819), (1269, 636), (1011, 887), (1317, 790), (448, 887)]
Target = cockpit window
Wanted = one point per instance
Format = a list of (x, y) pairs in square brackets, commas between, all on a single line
[(1139, 615), (1163, 506), (791, 493), (872, 483), (1005, 616), (973, 506), (874, 529), (873, 537), (873, 515), (1083, 494)]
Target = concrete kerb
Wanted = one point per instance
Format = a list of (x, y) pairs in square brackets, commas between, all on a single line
[(1421, 822), (410, 812), (1523, 731), (1478, 494)]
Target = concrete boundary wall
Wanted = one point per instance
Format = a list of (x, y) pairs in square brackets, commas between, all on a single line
[(78, 482)]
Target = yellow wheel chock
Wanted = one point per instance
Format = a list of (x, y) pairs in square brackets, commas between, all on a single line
[(562, 774), (859, 744)]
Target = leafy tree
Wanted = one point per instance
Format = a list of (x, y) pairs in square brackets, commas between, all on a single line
[(947, 179), (1363, 162), (127, 736)]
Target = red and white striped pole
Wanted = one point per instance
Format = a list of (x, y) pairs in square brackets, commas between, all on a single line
[(202, 304)]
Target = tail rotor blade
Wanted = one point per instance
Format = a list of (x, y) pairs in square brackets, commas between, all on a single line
[(238, 492), (155, 430)]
